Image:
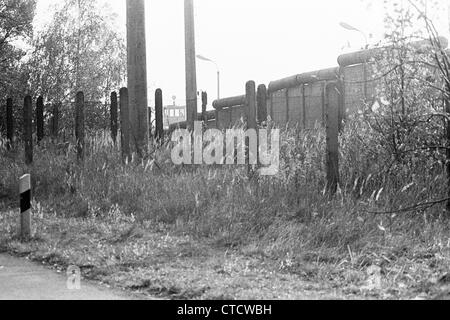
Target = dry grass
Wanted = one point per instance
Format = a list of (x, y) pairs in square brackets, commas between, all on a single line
[(211, 232)]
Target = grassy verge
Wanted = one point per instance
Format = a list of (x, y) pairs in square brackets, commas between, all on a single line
[(156, 261), (161, 261)]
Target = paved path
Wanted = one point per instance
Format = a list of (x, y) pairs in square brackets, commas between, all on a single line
[(21, 279)]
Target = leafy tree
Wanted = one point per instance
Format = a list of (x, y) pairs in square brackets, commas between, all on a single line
[(16, 17), (80, 50)]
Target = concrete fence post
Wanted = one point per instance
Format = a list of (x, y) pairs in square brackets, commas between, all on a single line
[(114, 116), (250, 104), (204, 106), (159, 116), (9, 123), (125, 125), (250, 112), (40, 119), (332, 132), (261, 108), (28, 129), (79, 125), (25, 206)]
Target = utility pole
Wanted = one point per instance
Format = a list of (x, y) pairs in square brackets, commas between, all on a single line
[(137, 75), (191, 71)]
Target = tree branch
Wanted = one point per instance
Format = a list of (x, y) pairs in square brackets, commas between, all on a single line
[(420, 206)]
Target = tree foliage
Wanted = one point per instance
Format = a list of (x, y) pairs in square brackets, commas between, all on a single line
[(406, 130), (16, 18), (80, 50)]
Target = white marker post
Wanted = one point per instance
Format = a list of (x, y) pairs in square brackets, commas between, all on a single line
[(25, 206)]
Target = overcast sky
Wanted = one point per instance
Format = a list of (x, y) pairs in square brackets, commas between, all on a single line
[(259, 40)]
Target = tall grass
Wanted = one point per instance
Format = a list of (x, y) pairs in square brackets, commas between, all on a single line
[(289, 212)]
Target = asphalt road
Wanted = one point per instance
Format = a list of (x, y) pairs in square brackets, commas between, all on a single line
[(21, 279)]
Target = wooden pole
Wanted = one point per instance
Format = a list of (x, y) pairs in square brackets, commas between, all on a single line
[(250, 111), (332, 131), (28, 129), (137, 75), (25, 206), (125, 125), (261, 104), (191, 70), (9, 123), (40, 119), (114, 116), (159, 134), (79, 126)]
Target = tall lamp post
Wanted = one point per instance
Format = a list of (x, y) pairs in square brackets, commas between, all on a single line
[(200, 57), (349, 27)]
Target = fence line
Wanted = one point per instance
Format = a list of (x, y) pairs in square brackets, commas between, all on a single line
[(325, 96)]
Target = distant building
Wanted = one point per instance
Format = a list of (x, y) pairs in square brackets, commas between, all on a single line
[(174, 114)]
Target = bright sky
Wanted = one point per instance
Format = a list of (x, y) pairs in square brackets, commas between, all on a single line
[(261, 40)]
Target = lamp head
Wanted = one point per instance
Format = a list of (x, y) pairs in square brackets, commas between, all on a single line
[(199, 56), (347, 26)]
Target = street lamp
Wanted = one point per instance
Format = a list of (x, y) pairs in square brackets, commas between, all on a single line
[(352, 28), (200, 57)]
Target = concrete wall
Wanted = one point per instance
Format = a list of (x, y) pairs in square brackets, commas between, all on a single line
[(230, 117), (302, 105), (301, 100)]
